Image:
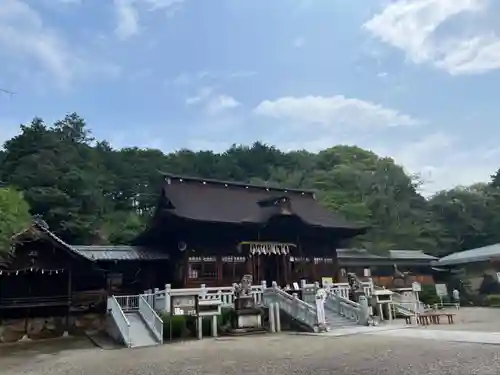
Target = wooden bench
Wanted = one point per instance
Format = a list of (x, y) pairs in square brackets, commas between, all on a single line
[(431, 318)]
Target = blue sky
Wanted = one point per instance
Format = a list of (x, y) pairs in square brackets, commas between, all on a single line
[(416, 80)]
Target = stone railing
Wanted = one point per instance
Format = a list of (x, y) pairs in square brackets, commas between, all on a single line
[(343, 307), (342, 289), (160, 299), (408, 302), (292, 305)]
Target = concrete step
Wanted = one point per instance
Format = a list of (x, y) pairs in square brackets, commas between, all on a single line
[(335, 321)]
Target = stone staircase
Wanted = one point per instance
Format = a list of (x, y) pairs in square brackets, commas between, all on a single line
[(335, 321), (339, 312)]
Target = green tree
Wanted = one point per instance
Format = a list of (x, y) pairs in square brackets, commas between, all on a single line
[(60, 175), (14, 215), (89, 192)]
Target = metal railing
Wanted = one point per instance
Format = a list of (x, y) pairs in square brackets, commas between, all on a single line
[(152, 319), (120, 319), (128, 303)]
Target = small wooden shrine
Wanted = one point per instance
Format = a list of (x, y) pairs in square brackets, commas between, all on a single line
[(44, 276)]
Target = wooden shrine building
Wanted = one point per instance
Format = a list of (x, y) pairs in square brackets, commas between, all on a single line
[(216, 231), (203, 232)]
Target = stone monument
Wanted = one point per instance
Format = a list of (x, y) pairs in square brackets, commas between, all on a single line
[(355, 287), (401, 279), (247, 316)]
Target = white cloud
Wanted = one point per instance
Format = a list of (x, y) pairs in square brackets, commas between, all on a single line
[(202, 95), (23, 32), (128, 19), (315, 123), (443, 162), (127, 13), (412, 26), (330, 113), (212, 102), (26, 38), (221, 103), (188, 79)]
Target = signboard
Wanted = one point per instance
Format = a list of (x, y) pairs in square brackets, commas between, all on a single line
[(441, 290), (326, 281), (184, 305), (416, 287), (210, 307)]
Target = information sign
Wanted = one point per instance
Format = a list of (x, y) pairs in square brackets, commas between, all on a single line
[(184, 305), (441, 290)]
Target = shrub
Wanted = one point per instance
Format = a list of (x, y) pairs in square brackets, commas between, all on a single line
[(185, 326), (175, 325), (428, 295), (226, 316), (474, 300), (493, 300)]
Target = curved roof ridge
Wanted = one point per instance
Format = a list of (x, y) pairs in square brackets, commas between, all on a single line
[(239, 184)]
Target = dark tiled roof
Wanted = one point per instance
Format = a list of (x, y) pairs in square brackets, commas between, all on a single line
[(481, 254), (119, 252), (410, 254), (356, 254), (41, 227), (229, 202)]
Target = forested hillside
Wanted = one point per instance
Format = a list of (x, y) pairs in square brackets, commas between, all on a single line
[(90, 193)]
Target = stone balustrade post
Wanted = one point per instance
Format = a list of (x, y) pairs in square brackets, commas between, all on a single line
[(272, 323), (278, 318), (153, 302), (168, 298), (203, 291), (295, 305), (364, 311)]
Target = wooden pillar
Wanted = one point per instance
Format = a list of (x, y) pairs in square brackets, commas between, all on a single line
[(185, 270), (218, 261), (336, 270), (249, 265), (286, 271), (70, 302)]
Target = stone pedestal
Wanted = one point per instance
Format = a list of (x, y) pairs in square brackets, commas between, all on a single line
[(247, 317), (244, 303)]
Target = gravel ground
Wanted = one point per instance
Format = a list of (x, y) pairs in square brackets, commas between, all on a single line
[(472, 319), (273, 354)]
